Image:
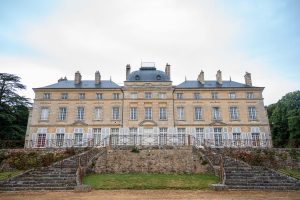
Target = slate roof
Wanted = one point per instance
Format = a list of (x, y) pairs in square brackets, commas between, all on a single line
[(85, 84), (211, 84), (148, 74)]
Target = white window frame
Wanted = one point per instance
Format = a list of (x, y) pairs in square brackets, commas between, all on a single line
[(98, 113), (162, 113), (148, 113), (62, 113), (214, 95), (148, 95), (197, 95), (99, 96), (133, 113), (46, 96), (80, 113), (233, 112), (252, 115), (44, 114), (64, 96), (180, 113), (232, 95), (179, 95), (216, 113), (81, 96), (197, 113), (116, 113)]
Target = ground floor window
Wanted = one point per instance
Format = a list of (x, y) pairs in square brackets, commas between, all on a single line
[(181, 136), (199, 137), (255, 139), (218, 136), (163, 136), (115, 136), (78, 139), (97, 136), (41, 141), (60, 139)]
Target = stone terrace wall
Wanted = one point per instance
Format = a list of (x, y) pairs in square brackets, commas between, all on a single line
[(180, 160)]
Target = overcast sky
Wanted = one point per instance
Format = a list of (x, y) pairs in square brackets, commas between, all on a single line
[(43, 40)]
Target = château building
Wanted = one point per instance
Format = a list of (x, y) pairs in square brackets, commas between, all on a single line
[(148, 110)]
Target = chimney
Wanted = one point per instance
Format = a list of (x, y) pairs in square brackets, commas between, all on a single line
[(219, 77), (248, 80), (127, 71), (77, 77), (97, 78), (201, 77), (168, 70)]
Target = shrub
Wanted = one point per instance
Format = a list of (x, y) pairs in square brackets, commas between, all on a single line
[(135, 150)]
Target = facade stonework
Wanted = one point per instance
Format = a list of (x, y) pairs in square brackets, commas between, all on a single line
[(148, 110)]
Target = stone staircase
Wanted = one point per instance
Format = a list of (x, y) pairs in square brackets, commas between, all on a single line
[(239, 175), (59, 176)]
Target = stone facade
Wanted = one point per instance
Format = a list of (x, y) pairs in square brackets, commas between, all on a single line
[(148, 110)]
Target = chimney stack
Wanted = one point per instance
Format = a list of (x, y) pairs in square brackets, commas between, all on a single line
[(219, 77), (128, 68), (97, 78), (201, 77), (77, 77), (248, 80), (168, 70)]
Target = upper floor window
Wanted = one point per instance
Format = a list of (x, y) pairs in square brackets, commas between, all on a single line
[(133, 95), (81, 96), (252, 113), (98, 113), (99, 96), (180, 113), (80, 113), (232, 95), (214, 95), (116, 113), (179, 95), (216, 113), (198, 113), (133, 113), (116, 95), (62, 113), (148, 113), (161, 95), (197, 95), (64, 96), (44, 113), (148, 95), (163, 113), (250, 95), (46, 96), (233, 113)]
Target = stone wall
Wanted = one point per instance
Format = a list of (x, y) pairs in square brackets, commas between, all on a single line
[(172, 160)]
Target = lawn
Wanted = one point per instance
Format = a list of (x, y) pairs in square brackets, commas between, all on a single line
[(5, 175), (291, 172), (150, 181)]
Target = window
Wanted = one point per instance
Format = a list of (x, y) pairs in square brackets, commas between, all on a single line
[(41, 140), (181, 136), (133, 95), (252, 113), (60, 134), (148, 113), (233, 113), (97, 136), (255, 136), (216, 113), (64, 96), (99, 96), (199, 138), (180, 113), (218, 136), (196, 95), (137, 140), (161, 95), (214, 95), (78, 139), (250, 95), (116, 95), (80, 113), (162, 113), (62, 113), (44, 114), (148, 95), (46, 96), (179, 95), (115, 136), (236, 133), (116, 113), (81, 96), (232, 95), (98, 113), (133, 113), (163, 136), (198, 113)]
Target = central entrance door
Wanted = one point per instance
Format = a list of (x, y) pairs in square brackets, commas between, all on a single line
[(148, 136)]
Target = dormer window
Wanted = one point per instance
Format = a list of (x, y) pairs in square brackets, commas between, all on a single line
[(158, 77), (137, 77)]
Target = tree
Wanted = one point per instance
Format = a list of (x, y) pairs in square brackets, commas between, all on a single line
[(13, 108), (284, 119)]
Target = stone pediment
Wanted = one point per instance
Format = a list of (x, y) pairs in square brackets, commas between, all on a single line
[(79, 123), (147, 123), (217, 123)]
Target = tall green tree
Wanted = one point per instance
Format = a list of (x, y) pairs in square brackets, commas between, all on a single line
[(13, 108), (284, 119)]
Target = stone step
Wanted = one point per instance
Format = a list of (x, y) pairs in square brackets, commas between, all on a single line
[(241, 187), (261, 183), (53, 188)]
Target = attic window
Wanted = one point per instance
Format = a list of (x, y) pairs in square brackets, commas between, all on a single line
[(158, 77), (137, 77)]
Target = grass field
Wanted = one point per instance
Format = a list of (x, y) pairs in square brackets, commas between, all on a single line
[(5, 175), (291, 172), (150, 181)]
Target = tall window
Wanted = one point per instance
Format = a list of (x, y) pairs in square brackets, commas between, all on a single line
[(148, 95), (78, 132), (133, 113), (232, 95), (233, 113), (163, 113), (214, 95), (252, 113), (46, 96), (255, 136), (179, 95), (62, 113), (199, 139), (134, 137), (44, 113), (216, 113), (198, 113), (80, 113), (99, 96), (115, 136), (116, 113), (60, 134), (180, 113), (148, 113), (163, 136), (116, 95), (236, 133), (97, 136), (181, 136), (197, 95), (64, 95), (218, 136), (81, 96), (162, 95), (98, 113), (250, 95)]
